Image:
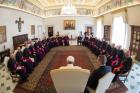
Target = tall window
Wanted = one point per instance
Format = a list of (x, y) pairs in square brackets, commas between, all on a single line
[(119, 31), (99, 29)]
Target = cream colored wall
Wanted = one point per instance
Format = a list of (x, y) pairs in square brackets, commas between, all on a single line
[(132, 18), (8, 17), (134, 15), (107, 19), (58, 23)]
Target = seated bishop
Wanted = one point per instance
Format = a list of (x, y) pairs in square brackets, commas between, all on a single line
[(17, 68)]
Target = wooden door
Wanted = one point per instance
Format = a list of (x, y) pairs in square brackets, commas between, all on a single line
[(107, 29), (50, 31), (135, 39)]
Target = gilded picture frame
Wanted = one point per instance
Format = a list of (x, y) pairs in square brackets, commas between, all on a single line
[(69, 24), (3, 37), (32, 29)]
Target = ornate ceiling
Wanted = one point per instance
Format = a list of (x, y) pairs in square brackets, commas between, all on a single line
[(53, 7), (48, 4)]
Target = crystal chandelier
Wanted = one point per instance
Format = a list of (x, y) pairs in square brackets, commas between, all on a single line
[(68, 9)]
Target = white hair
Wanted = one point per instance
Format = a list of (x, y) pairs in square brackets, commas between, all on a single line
[(70, 60)]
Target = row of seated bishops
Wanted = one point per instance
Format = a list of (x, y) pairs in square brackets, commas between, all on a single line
[(59, 41), (120, 60), (74, 79), (81, 39), (23, 60)]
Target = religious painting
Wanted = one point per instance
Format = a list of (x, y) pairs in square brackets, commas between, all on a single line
[(69, 24), (32, 29), (3, 34), (50, 31)]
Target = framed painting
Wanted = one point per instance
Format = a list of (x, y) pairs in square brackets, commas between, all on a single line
[(3, 34), (69, 24), (32, 29)]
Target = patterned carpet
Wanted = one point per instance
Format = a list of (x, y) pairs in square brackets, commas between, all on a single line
[(40, 80)]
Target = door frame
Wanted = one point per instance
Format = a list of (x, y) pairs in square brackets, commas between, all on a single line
[(48, 29)]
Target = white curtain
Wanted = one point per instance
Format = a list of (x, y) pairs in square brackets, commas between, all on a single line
[(99, 33), (119, 31)]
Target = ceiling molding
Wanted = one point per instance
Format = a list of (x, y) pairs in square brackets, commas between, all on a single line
[(37, 3), (77, 6), (18, 9), (117, 9), (44, 3), (100, 3), (47, 4)]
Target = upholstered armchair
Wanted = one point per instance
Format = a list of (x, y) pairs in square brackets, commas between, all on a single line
[(70, 80), (103, 83)]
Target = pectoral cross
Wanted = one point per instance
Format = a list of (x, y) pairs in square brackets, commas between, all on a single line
[(19, 22)]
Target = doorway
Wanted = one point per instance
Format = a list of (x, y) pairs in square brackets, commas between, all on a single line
[(135, 39), (50, 31)]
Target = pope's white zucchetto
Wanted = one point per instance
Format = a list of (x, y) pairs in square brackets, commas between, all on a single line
[(70, 59)]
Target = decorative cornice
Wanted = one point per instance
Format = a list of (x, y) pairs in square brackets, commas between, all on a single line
[(68, 16), (116, 9), (101, 3), (77, 6), (22, 10), (37, 4), (96, 9)]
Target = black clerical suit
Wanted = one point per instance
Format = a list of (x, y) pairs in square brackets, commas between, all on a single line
[(26, 52), (20, 59), (32, 50), (79, 40), (19, 56), (96, 75), (12, 66)]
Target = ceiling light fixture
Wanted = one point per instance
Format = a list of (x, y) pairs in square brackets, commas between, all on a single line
[(68, 9)]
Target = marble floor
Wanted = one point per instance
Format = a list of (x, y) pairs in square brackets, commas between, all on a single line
[(6, 83), (133, 80)]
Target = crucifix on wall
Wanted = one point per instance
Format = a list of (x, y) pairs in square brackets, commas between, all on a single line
[(19, 22)]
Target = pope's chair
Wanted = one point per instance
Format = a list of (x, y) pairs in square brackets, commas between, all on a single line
[(70, 80), (103, 83)]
